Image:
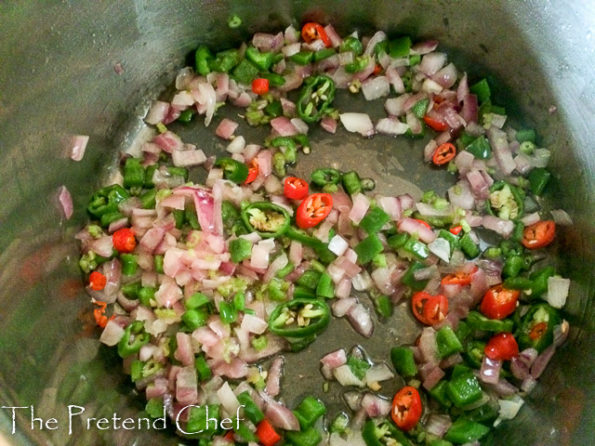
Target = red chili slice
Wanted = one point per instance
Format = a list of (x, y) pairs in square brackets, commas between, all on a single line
[(429, 309), (539, 234), (295, 188), (123, 240), (312, 31), (444, 153), (253, 171), (313, 210), (499, 302), (502, 347), (407, 408)]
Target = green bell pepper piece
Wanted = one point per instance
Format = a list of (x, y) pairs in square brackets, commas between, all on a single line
[(106, 200), (308, 437), (439, 393), (384, 306), (368, 248), (245, 72), (315, 97), (263, 60), (129, 264), (202, 368), (374, 220), (225, 60), (525, 135), (474, 353), (399, 47), (325, 287), (469, 247), (464, 389), (240, 249), (275, 80), (203, 58), (309, 279), (403, 361), (134, 173), (420, 107), (465, 431), (308, 411), (146, 295), (538, 179), (482, 90), (447, 342), (198, 423), (302, 57), (480, 148), (539, 280), (195, 318), (409, 280), (288, 148)]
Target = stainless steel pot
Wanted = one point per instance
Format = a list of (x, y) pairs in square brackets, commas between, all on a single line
[(57, 75)]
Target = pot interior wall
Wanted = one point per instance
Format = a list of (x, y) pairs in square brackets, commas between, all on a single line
[(58, 79)]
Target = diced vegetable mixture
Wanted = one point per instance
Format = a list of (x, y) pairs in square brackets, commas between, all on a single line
[(201, 288)]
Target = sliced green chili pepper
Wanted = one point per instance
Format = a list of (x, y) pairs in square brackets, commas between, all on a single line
[(324, 53), (384, 306), (322, 177), (358, 64), (287, 146), (513, 266), (195, 318), (316, 96), (506, 201), (203, 58), (158, 261), (148, 200), (478, 321), (131, 290), (265, 218), (110, 217), (537, 327), (262, 60), (275, 80), (199, 419), (233, 170), (309, 279), (453, 240), (352, 183), (539, 278), (106, 200), (352, 44), (227, 312), (397, 241), (380, 432), (325, 287), (417, 248), (197, 300), (133, 339), (299, 318)]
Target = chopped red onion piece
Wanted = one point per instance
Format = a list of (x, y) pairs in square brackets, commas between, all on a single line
[(441, 249), (187, 158), (283, 126), (412, 226), (360, 207), (502, 227), (329, 124), (396, 106), (375, 406), (438, 424), (424, 47), (561, 217), (226, 128), (379, 36), (557, 291), (345, 376), (490, 370), (502, 153), (342, 306), (376, 87), (111, 334), (273, 384), (65, 200), (333, 36), (78, 145), (157, 112), (431, 63), (391, 126), (360, 320), (530, 219), (357, 123)]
